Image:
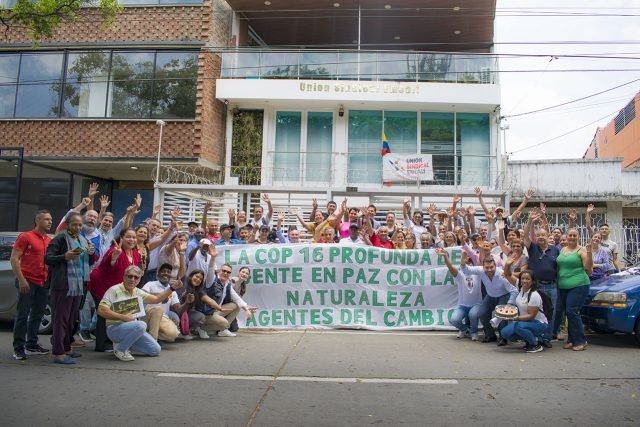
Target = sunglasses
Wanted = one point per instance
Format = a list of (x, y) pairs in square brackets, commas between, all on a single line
[(225, 271), (133, 277)]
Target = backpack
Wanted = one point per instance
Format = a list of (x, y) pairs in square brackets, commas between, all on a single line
[(547, 304)]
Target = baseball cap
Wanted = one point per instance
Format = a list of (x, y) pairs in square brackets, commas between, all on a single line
[(224, 227), (205, 242), (443, 212), (354, 225), (474, 235), (499, 208), (264, 227), (190, 223)]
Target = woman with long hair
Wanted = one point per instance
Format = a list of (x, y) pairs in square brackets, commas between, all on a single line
[(239, 284), (531, 322), (575, 264), (601, 258)]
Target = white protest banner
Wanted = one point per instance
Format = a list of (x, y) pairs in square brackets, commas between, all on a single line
[(333, 286), (407, 167)]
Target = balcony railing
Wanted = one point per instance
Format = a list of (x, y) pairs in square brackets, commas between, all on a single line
[(359, 65), (303, 169)]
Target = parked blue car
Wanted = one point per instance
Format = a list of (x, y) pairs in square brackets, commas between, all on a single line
[(614, 302)]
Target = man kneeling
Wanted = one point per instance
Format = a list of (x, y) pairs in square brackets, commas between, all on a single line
[(123, 329), (163, 319)]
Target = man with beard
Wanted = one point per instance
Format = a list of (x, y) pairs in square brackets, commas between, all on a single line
[(163, 319)]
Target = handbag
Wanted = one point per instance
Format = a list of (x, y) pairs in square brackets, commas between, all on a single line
[(184, 323)]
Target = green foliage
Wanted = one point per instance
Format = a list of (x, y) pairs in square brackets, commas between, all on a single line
[(246, 147), (42, 17)]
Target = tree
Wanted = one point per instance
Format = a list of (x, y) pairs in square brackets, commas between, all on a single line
[(41, 17)]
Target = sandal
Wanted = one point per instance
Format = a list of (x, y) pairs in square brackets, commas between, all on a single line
[(567, 346), (580, 347)]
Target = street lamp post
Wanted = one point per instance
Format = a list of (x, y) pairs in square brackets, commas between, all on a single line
[(160, 123)]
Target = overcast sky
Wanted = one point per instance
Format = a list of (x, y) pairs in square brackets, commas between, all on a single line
[(523, 92)]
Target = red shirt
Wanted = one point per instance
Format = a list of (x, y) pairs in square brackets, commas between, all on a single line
[(106, 275), (375, 241), (33, 246)]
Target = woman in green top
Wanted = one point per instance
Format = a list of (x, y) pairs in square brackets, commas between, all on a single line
[(575, 264)]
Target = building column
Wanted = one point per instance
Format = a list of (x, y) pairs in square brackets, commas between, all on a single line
[(614, 214)]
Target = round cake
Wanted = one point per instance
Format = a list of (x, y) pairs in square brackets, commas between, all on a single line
[(507, 311)]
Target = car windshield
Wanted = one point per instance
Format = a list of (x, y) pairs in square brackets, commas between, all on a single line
[(6, 246)]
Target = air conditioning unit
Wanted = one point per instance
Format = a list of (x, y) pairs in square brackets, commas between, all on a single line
[(485, 75)]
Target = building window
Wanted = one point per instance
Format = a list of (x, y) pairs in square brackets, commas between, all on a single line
[(303, 142), (286, 164), (473, 136), (365, 146), (98, 84), (86, 84), (437, 139), (625, 116), (9, 66), (39, 84)]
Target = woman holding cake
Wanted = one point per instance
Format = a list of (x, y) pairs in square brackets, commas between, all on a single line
[(530, 322)]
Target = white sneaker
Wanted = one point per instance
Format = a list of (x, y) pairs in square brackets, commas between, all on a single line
[(474, 337), (226, 333), (202, 334), (461, 334), (125, 356), (185, 337)]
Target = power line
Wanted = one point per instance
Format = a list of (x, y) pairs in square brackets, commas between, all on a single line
[(573, 101), (564, 134)]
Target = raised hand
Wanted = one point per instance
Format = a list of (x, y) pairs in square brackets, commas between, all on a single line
[(478, 191), (232, 214), (573, 214), (543, 208), (104, 202), (293, 211), (117, 249), (138, 201), (176, 284), (181, 245), (529, 194), (93, 190), (440, 251), (207, 206), (156, 210), (280, 216), (132, 208), (314, 203), (265, 198), (86, 201), (431, 210), (175, 213), (471, 210), (457, 198), (590, 208)]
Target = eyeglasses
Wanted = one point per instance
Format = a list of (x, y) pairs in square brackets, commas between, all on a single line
[(133, 277), (225, 271)]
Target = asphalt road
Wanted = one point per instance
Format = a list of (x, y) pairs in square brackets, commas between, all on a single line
[(329, 378)]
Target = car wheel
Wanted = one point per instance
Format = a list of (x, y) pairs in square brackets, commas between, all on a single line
[(46, 324)]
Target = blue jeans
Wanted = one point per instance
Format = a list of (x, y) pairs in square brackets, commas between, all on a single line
[(87, 319), (551, 290), (573, 299), (470, 314), (133, 335), (29, 314), (528, 330), (485, 312)]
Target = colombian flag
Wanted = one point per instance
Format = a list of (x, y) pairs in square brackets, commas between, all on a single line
[(385, 150), (385, 145)]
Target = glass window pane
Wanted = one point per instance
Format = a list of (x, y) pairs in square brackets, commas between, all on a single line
[(86, 82), (437, 139), (180, 1), (348, 68), (401, 130), (319, 146), (365, 146), (279, 65), (473, 133), (319, 65), (40, 81), (435, 67), (8, 78), (174, 89), (286, 162), (240, 65), (131, 83), (397, 66)]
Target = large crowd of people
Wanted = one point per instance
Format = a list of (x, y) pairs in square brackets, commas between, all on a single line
[(131, 288)]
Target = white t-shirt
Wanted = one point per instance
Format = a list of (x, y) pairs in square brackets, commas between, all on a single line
[(156, 287), (347, 241), (469, 289), (536, 301)]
